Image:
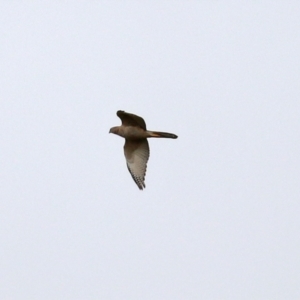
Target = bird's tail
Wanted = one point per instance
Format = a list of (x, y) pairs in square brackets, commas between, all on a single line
[(158, 134)]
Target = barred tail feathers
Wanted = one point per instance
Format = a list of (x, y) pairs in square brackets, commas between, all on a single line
[(158, 134)]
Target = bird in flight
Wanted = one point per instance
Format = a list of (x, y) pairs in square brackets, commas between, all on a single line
[(136, 147)]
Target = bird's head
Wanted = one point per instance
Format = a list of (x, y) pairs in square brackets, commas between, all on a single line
[(114, 130)]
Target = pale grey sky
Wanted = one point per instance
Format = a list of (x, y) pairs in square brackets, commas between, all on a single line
[(219, 218)]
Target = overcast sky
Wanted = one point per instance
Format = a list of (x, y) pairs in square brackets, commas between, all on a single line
[(219, 218)]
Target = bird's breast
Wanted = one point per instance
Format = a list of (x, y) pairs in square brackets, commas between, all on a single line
[(133, 132)]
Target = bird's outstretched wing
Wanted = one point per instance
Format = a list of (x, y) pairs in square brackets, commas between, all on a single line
[(137, 154), (131, 119)]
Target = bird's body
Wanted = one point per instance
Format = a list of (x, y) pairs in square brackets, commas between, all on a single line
[(136, 148), (130, 132)]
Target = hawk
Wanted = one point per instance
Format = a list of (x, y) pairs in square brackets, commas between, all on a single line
[(136, 148)]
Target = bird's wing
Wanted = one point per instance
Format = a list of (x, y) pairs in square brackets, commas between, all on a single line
[(131, 119), (137, 154)]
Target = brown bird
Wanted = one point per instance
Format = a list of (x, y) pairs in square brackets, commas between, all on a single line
[(136, 148)]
